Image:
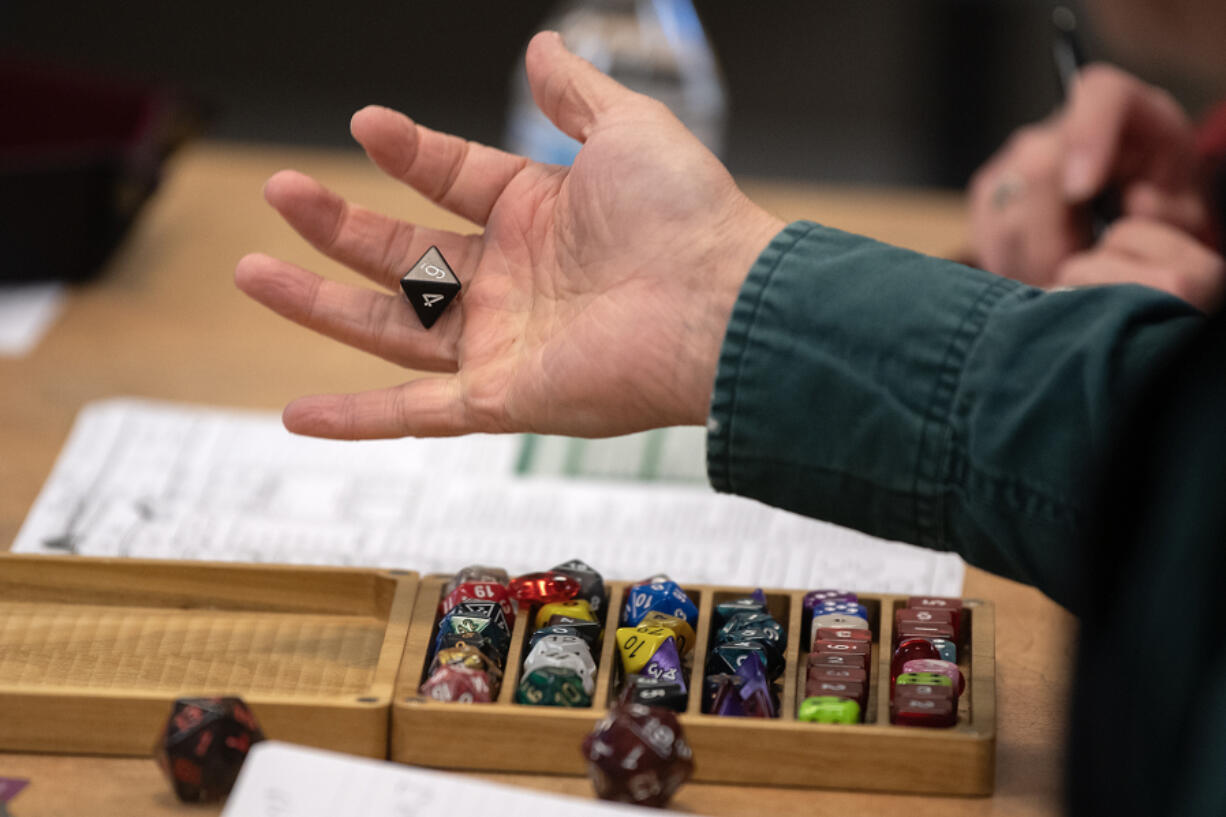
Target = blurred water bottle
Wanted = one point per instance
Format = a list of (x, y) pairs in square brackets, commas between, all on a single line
[(655, 47)]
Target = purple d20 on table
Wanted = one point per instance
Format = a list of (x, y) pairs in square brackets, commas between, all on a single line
[(637, 754)]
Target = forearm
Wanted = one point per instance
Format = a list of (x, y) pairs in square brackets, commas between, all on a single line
[(924, 401)]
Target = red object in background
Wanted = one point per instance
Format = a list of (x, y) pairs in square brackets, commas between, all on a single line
[(911, 649), (480, 591), (930, 707), (78, 157), (544, 588)]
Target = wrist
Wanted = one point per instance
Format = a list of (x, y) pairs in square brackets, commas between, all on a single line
[(744, 232)]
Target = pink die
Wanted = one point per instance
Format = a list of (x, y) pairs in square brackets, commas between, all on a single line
[(946, 668)]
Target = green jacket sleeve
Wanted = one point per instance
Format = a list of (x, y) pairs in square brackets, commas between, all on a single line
[(920, 400)]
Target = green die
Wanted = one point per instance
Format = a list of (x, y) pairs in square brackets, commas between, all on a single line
[(932, 679), (552, 686), (828, 709)]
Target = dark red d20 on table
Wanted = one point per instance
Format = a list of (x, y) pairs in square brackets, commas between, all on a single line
[(204, 745), (637, 754)]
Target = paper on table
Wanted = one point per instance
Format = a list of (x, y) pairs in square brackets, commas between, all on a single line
[(283, 780), (26, 311), (157, 480)]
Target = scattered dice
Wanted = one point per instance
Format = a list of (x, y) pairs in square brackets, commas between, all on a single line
[(638, 754), (474, 636), (204, 745), (748, 654), (925, 680), (559, 667)]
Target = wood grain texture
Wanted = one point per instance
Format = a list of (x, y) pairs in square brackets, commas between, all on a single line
[(87, 665), (165, 321)]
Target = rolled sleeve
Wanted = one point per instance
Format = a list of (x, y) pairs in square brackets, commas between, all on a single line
[(921, 400)]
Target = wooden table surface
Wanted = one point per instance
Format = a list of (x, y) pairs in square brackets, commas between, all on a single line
[(165, 321)]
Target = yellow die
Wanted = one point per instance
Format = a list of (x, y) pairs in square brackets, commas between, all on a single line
[(636, 645), (682, 631), (576, 608)]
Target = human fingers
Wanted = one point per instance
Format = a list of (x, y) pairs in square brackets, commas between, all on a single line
[(1185, 209), (1152, 254), (464, 177), (568, 89), (1021, 226), (374, 322), (378, 247), (427, 407), (1108, 106)]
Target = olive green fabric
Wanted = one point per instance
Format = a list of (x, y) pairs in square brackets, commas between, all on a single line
[(1073, 440), (924, 401)]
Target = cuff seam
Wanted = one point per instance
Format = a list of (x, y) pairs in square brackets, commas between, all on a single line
[(735, 345)]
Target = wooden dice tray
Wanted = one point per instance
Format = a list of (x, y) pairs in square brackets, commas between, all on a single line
[(875, 755), (94, 651)]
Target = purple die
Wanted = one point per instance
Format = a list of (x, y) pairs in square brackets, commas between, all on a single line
[(815, 597), (842, 608)]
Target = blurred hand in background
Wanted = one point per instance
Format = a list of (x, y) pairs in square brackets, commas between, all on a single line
[(1031, 203)]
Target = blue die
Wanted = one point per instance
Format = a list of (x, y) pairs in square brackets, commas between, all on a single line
[(666, 597), (842, 608)]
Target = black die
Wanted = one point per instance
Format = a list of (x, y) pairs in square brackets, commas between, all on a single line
[(430, 286), (591, 585), (204, 745)]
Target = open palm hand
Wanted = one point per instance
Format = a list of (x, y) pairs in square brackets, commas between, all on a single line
[(594, 302)]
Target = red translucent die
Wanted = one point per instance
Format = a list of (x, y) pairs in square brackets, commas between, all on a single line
[(480, 591), (837, 660), (852, 690), (934, 603), (637, 754), (924, 707), (828, 673), (545, 588), (954, 606), (906, 617), (946, 668), (842, 634), (864, 648), (457, 684), (204, 745), (911, 649), (915, 630)]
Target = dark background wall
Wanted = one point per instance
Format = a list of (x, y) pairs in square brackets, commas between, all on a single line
[(889, 91)]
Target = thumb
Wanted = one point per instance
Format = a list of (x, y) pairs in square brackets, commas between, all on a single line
[(567, 88)]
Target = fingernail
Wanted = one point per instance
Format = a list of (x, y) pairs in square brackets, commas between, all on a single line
[(1078, 178)]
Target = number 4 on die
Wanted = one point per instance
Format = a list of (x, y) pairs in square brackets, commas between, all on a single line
[(430, 286)]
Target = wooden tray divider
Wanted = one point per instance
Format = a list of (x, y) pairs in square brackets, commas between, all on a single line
[(608, 671), (702, 643), (980, 661), (793, 678), (879, 711)]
